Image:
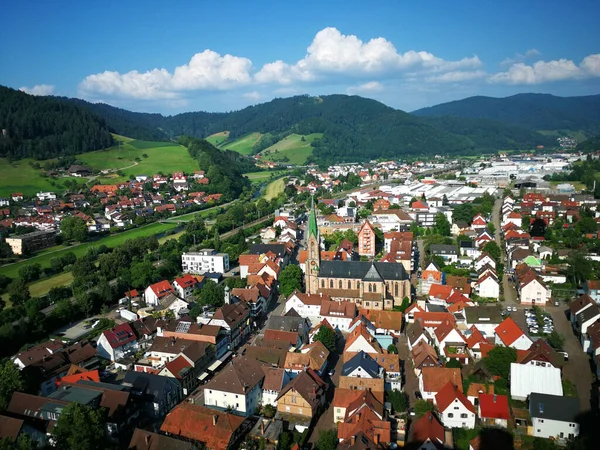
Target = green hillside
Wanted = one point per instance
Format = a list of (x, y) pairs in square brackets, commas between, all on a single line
[(293, 149), (244, 145), (217, 139)]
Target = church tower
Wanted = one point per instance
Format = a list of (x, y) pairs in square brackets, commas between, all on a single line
[(313, 259)]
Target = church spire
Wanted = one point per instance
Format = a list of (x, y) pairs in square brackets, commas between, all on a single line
[(312, 220)]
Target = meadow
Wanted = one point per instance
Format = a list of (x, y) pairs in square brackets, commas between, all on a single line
[(273, 189), (19, 176), (243, 145), (12, 270), (141, 157), (263, 175), (218, 138), (292, 149)]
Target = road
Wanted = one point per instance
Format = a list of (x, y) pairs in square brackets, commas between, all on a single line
[(508, 287)]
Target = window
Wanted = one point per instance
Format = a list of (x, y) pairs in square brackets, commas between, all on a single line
[(323, 283), (331, 284), (541, 420), (293, 399), (396, 290), (463, 416), (340, 284), (349, 284), (287, 408), (456, 407), (370, 288), (450, 415)]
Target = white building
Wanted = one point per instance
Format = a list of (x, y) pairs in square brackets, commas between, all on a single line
[(456, 411), (554, 417), (488, 287), (185, 285), (46, 196), (534, 292), (526, 379), (307, 305), (117, 343), (205, 260)]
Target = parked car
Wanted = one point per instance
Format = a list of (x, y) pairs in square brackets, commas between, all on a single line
[(331, 372), (418, 395), (556, 303), (565, 355)]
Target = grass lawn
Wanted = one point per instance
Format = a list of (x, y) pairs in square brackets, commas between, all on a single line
[(243, 145), (579, 186), (274, 188), (170, 237), (19, 176), (462, 437), (166, 157), (12, 270), (218, 138), (263, 175), (42, 287), (292, 147)]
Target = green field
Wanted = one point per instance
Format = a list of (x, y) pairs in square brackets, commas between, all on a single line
[(40, 288), (165, 157), (292, 149), (263, 175), (218, 138), (19, 176), (12, 270), (274, 188), (243, 145)]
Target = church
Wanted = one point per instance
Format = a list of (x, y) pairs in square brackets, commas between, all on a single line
[(371, 285)]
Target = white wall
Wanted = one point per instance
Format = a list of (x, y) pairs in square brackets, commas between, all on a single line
[(489, 289), (547, 428), (360, 344), (150, 297), (244, 404), (451, 417), (199, 263), (534, 291)]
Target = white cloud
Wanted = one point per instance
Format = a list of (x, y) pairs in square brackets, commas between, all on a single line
[(254, 96), (520, 57), (370, 87), (205, 71), (331, 52), (38, 89), (548, 71), (456, 77)]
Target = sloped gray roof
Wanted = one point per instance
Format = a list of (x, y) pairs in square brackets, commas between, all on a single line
[(359, 269), (364, 361), (554, 407), (372, 274)]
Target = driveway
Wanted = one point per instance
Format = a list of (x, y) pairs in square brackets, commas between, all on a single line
[(411, 383)]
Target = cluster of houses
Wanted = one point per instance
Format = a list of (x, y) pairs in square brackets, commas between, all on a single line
[(585, 319), (105, 206), (435, 338)]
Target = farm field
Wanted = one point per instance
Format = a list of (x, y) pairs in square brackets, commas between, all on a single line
[(218, 138), (244, 144), (292, 149), (274, 188), (263, 175), (19, 176), (12, 270), (42, 287), (166, 157)]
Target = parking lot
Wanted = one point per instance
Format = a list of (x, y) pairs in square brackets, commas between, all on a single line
[(77, 330)]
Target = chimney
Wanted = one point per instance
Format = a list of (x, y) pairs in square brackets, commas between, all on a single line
[(215, 420), (352, 440), (227, 295)]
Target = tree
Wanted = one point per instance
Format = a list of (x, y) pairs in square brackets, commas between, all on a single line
[(290, 279), (586, 225), (493, 249), (404, 306), (422, 407), (10, 382), (499, 359), (454, 363), (211, 294), (327, 337), (538, 228), (18, 291), (556, 341), (74, 229), (79, 427), (5, 250), (492, 228), (327, 440), (442, 225), (30, 272), (579, 268), (392, 349), (398, 399)]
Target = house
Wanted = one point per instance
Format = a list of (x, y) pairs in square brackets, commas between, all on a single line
[(290, 330), (528, 378), (215, 429), (427, 433), (205, 260), (449, 253), (577, 306), (313, 356), (459, 227), (587, 317), (483, 238), (171, 302), (233, 318), (456, 411), (156, 291), (275, 380), (554, 416), (37, 353), (365, 418), (483, 260), (494, 410), (344, 399), (156, 395), (116, 343), (478, 222), (366, 240), (185, 286), (146, 440), (509, 334), (433, 379), (533, 291), (592, 288), (255, 297), (384, 322), (424, 355), (362, 365), (416, 333), (541, 354), (488, 286), (301, 398), (306, 305), (360, 339), (238, 387), (409, 313)]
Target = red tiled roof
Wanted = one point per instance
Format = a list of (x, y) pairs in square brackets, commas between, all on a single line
[(186, 281), (494, 406), (435, 378), (177, 366), (92, 375), (440, 291), (508, 331), (448, 394), (427, 428), (119, 335), (161, 288)]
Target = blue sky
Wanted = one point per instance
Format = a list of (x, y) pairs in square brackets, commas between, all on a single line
[(174, 56)]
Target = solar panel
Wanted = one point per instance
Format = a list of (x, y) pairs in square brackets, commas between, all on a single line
[(183, 327)]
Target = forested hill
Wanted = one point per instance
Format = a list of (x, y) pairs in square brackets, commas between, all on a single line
[(45, 127), (534, 111), (590, 145), (354, 128)]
